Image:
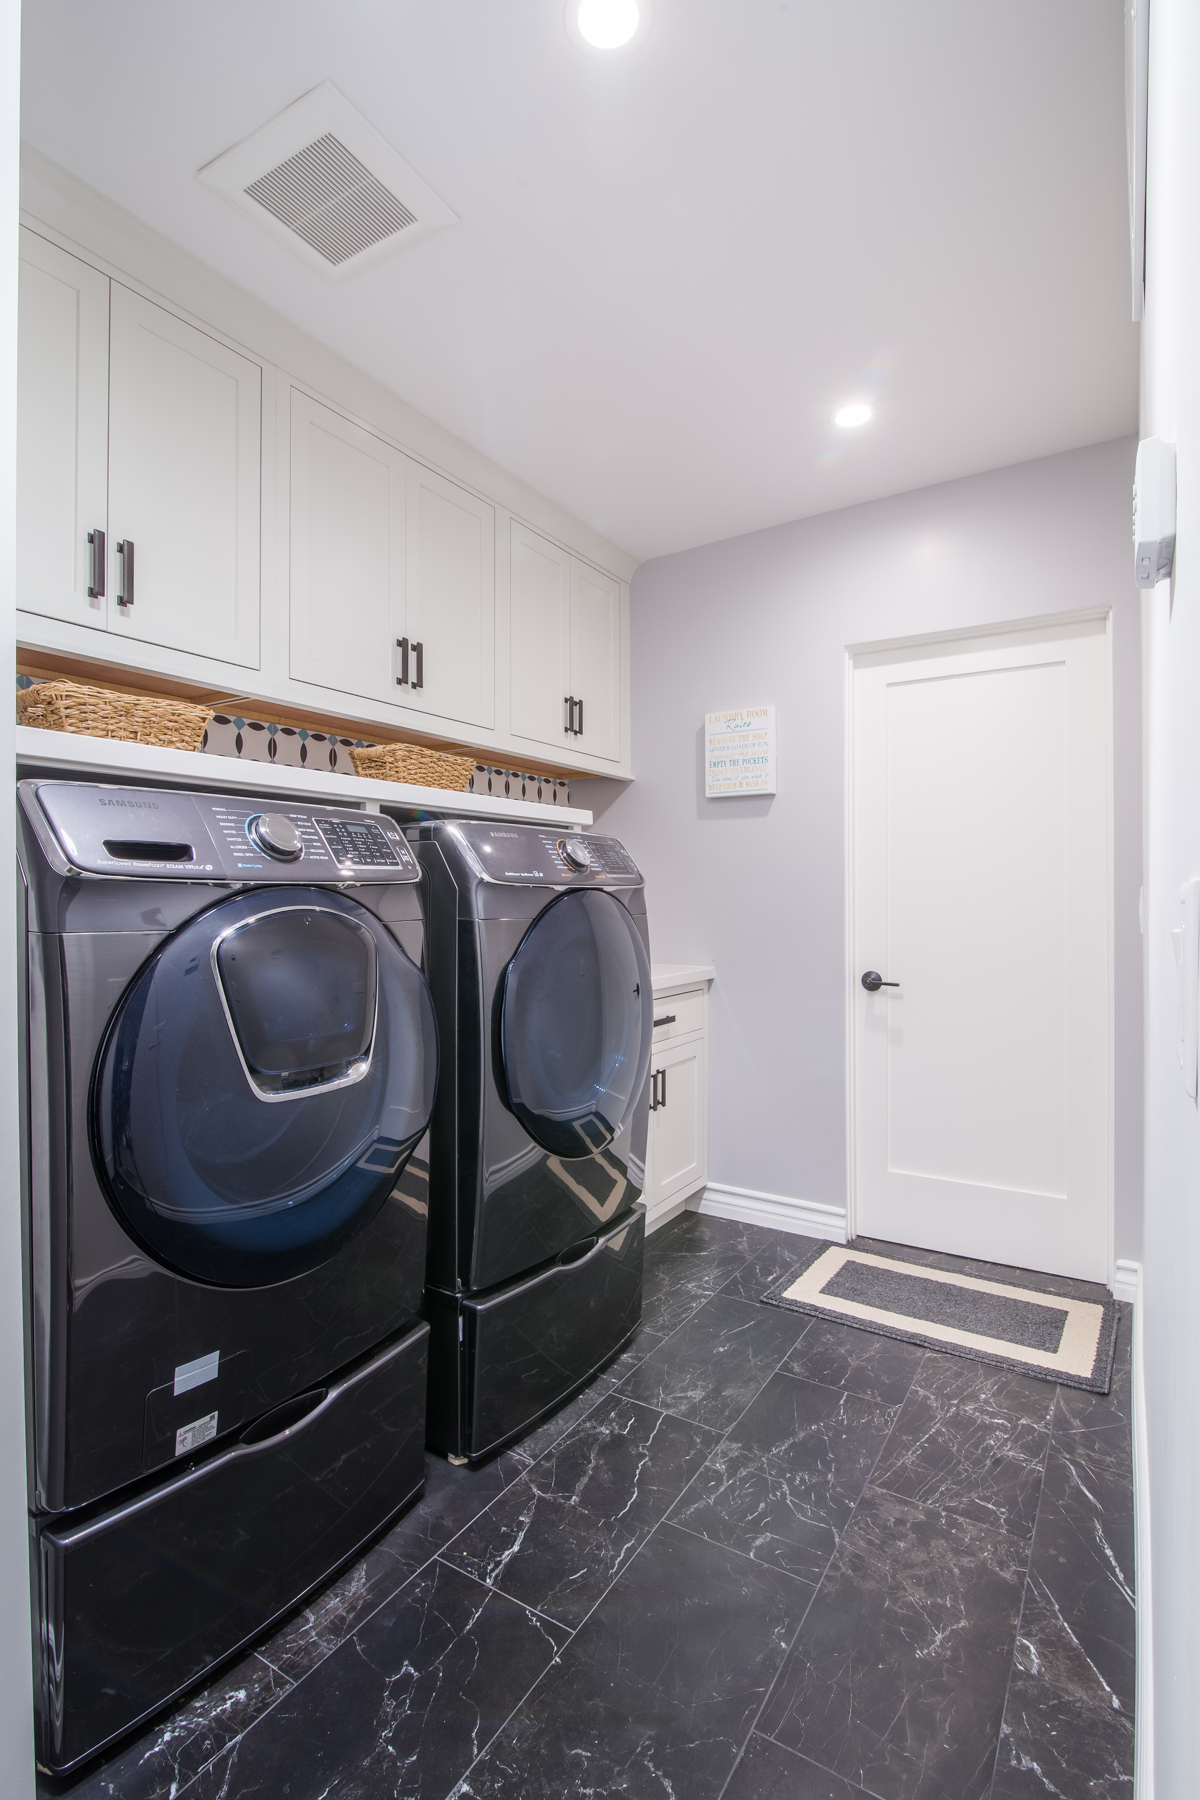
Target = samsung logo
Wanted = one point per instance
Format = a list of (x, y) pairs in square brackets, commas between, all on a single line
[(132, 805)]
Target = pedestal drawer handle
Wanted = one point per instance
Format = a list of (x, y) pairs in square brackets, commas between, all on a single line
[(667, 1019)]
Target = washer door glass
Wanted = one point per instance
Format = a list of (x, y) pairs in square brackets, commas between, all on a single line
[(576, 1022), (262, 1084)]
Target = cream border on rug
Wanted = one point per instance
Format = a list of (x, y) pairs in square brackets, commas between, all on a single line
[(1076, 1354)]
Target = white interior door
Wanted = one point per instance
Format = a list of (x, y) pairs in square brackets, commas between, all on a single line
[(596, 659), (539, 636), (451, 600), (62, 433), (185, 457), (347, 554), (981, 883)]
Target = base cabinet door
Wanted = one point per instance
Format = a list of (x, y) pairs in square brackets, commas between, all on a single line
[(185, 457), (596, 661), (348, 498), (678, 1152), (451, 601), (540, 638), (62, 435)]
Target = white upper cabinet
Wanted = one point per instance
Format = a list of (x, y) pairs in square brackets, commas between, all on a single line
[(185, 458), (540, 637), (62, 434), (596, 661), (565, 649), (348, 491), (451, 609)]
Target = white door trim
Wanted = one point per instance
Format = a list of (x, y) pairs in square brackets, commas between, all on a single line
[(919, 641)]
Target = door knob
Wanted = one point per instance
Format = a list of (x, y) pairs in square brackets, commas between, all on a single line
[(873, 982)]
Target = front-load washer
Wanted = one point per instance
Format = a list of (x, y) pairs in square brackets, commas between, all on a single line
[(537, 953), (232, 1057)]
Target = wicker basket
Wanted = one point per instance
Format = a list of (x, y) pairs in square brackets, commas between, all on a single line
[(99, 712), (416, 765)]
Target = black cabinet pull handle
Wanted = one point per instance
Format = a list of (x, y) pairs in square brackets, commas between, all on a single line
[(579, 727), (654, 1090), (419, 654), (667, 1019), (125, 591), (662, 1097), (873, 982), (402, 647), (96, 584), (569, 703)]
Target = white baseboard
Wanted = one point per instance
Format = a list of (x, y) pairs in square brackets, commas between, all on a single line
[(778, 1212), (665, 1210), (1143, 1777), (1125, 1281)]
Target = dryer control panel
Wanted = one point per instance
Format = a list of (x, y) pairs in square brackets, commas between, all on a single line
[(159, 834), (538, 856)]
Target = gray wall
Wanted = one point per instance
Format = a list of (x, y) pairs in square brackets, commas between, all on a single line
[(756, 886)]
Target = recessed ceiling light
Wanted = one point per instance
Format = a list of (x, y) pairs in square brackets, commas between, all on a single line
[(608, 24), (857, 413)]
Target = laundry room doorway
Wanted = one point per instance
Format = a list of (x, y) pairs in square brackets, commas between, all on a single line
[(979, 937)]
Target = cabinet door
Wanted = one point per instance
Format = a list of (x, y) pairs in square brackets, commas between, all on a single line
[(451, 600), (62, 431), (347, 554), (679, 1124), (185, 454), (539, 637), (596, 659)]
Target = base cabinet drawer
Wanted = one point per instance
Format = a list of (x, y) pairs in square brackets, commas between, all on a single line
[(680, 1015)]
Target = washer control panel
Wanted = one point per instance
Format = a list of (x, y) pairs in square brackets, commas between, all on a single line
[(159, 834), (527, 855)]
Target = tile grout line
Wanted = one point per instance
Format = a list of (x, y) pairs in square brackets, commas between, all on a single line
[(1012, 1661), (839, 1536)]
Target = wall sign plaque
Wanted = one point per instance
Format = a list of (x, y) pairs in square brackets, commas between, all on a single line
[(739, 752)]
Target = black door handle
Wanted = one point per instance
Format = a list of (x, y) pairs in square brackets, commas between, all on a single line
[(419, 677), (873, 982), (125, 592), (569, 703), (579, 727), (402, 647), (96, 585)]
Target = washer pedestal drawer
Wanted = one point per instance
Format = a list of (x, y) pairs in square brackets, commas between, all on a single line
[(141, 1600), (532, 1344)]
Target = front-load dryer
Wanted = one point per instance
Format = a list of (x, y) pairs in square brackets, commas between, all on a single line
[(537, 952), (232, 1057)]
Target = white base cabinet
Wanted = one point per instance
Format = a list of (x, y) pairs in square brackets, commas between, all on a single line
[(677, 1143)]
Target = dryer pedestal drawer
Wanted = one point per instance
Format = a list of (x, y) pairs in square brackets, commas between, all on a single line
[(139, 1602), (534, 1343)]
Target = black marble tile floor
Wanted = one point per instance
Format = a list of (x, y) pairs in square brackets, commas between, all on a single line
[(763, 1557)]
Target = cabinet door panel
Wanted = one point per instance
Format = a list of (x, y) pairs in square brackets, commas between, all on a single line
[(62, 431), (678, 1124), (540, 622), (451, 599), (184, 482), (347, 554), (596, 659)]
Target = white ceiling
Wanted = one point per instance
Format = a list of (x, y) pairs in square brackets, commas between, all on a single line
[(673, 264)]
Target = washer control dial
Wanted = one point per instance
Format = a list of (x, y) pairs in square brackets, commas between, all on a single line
[(277, 836), (575, 853)]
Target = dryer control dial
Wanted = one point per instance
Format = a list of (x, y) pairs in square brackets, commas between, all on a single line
[(277, 836), (575, 853)]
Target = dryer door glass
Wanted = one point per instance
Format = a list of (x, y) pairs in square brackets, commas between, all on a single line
[(262, 1084), (576, 1022)]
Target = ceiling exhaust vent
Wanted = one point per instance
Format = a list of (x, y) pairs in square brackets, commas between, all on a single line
[(325, 183)]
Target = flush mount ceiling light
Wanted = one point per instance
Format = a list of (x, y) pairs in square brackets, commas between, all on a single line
[(607, 25), (856, 413), (323, 181)]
